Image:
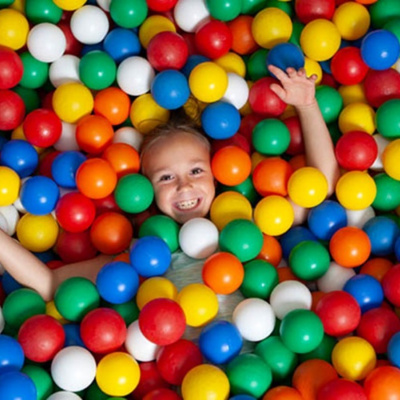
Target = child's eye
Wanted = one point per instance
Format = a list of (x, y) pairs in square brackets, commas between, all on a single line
[(164, 178), (196, 171)]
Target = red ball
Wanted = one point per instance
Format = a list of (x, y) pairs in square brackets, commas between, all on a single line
[(348, 67), (341, 389), (167, 50), (11, 68), (213, 39), (381, 86), (391, 285), (74, 247), (162, 321), (296, 145), (263, 100), (103, 330), (105, 204), (75, 212), (45, 163), (162, 394), (237, 139), (12, 110), (42, 127), (41, 338), (161, 5), (177, 359), (356, 150), (248, 123), (308, 10), (377, 326), (73, 46)]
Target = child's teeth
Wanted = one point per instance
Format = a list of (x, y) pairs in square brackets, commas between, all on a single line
[(184, 205)]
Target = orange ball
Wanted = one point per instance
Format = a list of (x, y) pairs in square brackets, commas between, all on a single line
[(282, 393), (383, 383), (223, 273), (271, 250), (376, 267), (111, 233), (96, 178), (112, 103), (350, 246), (298, 161), (286, 274), (231, 165), (123, 158), (271, 176), (242, 39), (94, 133), (316, 297)]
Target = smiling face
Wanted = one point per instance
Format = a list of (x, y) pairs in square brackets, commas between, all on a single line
[(179, 169)]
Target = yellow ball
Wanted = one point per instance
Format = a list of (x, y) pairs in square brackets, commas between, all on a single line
[(352, 20), (390, 159), (153, 25), (10, 184), (117, 374), (199, 303), (18, 5), (205, 382), (352, 94), (51, 310), (72, 101), (313, 67), (208, 82), (256, 158), (353, 358), (155, 288), (69, 5), (146, 114), (271, 26), (232, 62), (37, 232), (355, 190), (228, 206), (307, 187), (357, 117), (274, 215), (14, 29), (320, 39)]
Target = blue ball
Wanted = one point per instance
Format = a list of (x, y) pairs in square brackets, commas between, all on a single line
[(87, 48), (293, 237), (170, 89), (121, 43), (73, 335), (242, 397), (383, 233), (285, 55), (150, 256), (16, 385), (220, 120), (20, 156), (393, 350), (193, 61), (367, 291), (9, 284), (39, 195), (380, 49), (397, 249), (11, 355), (64, 167), (220, 342), (117, 282), (326, 218)]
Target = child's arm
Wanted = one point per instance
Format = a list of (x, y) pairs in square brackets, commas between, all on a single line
[(299, 91), (29, 271)]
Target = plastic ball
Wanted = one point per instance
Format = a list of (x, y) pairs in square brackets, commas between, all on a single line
[(153, 288), (190, 15), (237, 92), (285, 55), (128, 15), (12, 355), (9, 187), (382, 382), (12, 68), (282, 392), (63, 395), (353, 358), (357, 116), (162, 321), (387, 121), (65, 166), (14, 29), (41, 378), (381, 86), (13, 110), (17, 385), (123, 157), (121, 43), (242, 38), (138, 346), (10, 217), (307, 12), (69, 5), (74, 247), (389, 156), (341, 389), (352, 20), (335, 278), (153, 25), (161, 394)]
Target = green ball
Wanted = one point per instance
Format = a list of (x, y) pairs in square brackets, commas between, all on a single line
[(252, 6), (279, 358), (242, 238), (224, 10), (75, 297), (97, 70), (38, 11), (246, 188), (334, 132), (163, 227), (388, 119), (129, 311), (134, 193), (260, 278), (309, 260), (128, 13), (271, 137), (387, 193), (393, 25), (93, 392), (22, 304), (296, 33), (383, 11), (30, 97), (249, 374), (6, 3), (322, 352), (35, 72), (301, 331), (257, 65), (330, 102), (42, 380), (285, 6)]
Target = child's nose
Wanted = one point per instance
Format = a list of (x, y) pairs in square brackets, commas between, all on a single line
[(184, 183)]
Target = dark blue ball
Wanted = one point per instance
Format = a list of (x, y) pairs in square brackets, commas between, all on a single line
[(285, 55), (121, 43), (64, 167), (293, 237), (16, 385)]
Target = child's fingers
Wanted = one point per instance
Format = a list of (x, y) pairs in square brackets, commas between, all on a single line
[(277, 72), (278, 90)]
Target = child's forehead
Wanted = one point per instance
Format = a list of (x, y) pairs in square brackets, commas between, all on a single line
[(181, 137)]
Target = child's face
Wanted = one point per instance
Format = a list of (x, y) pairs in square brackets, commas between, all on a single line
[(180, 171)]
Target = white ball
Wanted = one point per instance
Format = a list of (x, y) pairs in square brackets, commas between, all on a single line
[(11, 217), (128, 135), (358, 218), (134, 75), (335, 278), (381, 142), (89, 24), (2, 322), (64, 70), (190, 14), (198, 238), (138, 346), (288, 296), (237, 91), (3, 223), (73, 368), (64, 396), (67, 140), (46, 42), (104, 4), (254, 318)]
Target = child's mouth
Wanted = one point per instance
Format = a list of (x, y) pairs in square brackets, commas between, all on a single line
[(187, 204)]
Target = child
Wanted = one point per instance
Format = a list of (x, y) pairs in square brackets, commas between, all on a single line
[(178, 165)]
